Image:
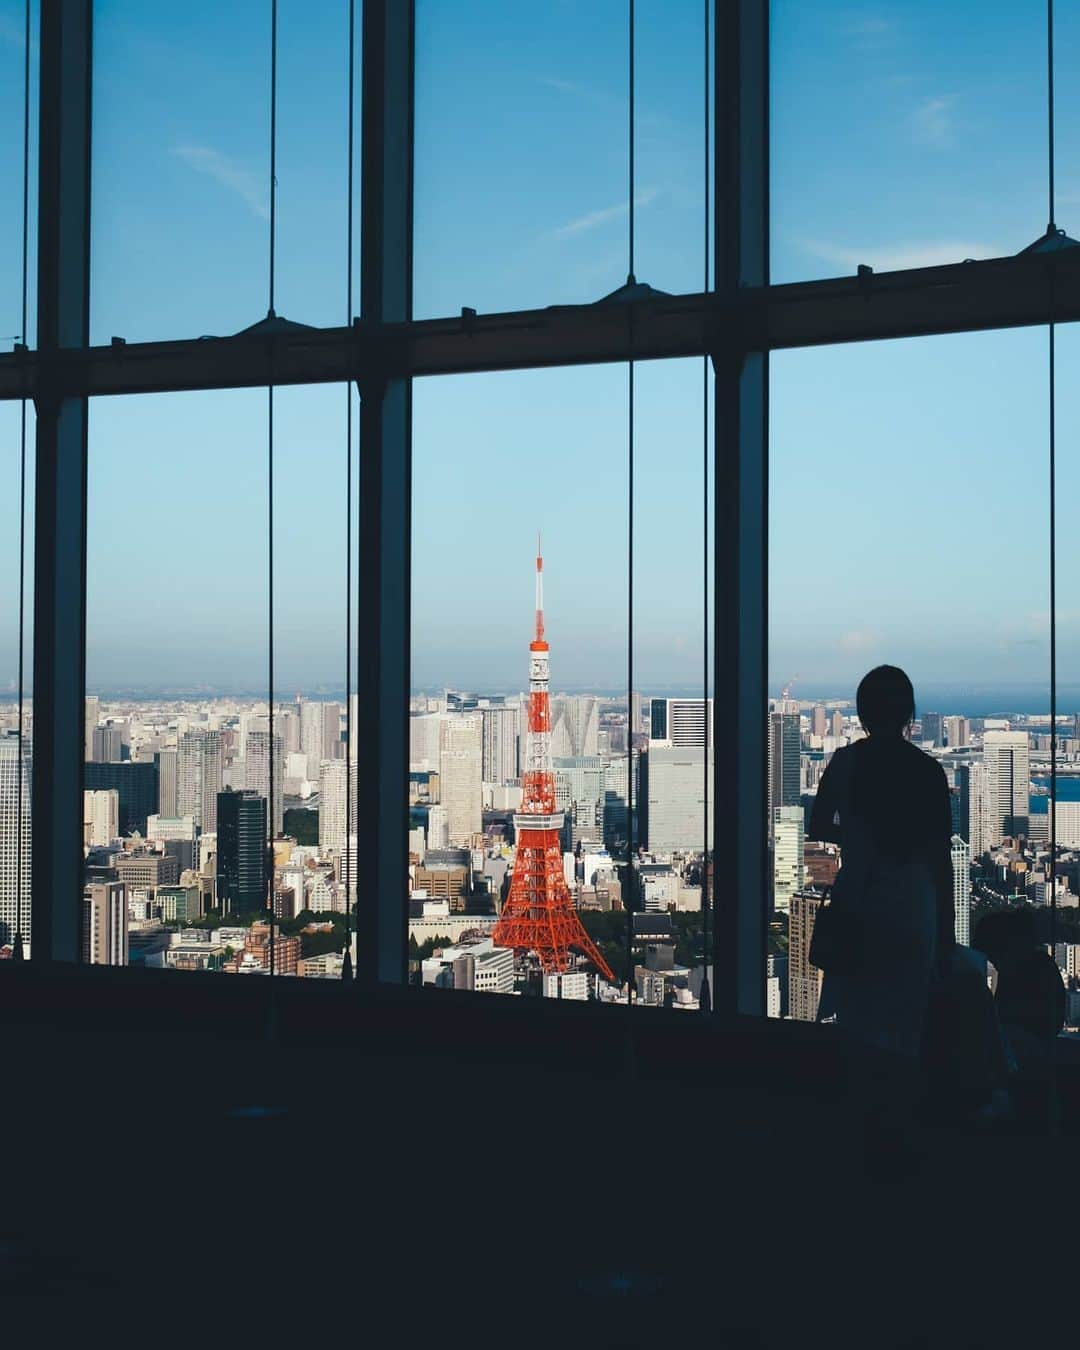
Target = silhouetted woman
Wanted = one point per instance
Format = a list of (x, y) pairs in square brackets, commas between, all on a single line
[(886, 804)]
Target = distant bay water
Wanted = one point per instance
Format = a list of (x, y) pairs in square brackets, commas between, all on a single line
[(1068, 791)]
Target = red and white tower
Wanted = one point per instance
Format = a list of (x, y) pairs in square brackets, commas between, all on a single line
[(539, 916)]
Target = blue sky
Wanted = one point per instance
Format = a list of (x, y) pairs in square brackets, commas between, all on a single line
[(908, 513)]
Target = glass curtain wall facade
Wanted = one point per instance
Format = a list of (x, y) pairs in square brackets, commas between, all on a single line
[(306, 383)]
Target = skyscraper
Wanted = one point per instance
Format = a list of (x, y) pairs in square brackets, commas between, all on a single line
[(785, 755), (460, 783), (673, 793), (789, 844), (136, 783), (575, 725), (101, 817), (10, 853), (804, 980), (92, 716), (166, 761), (500, 752), (1005, 756), (933, 728), (819, 722), (332, 793), (961, 866), (681, 721), (241, 851), (975, 784), (257, 771), (198, 777), (105, 924)]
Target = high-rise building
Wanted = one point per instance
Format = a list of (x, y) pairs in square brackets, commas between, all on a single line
[(145, 868), (320, 733), (673, 793), (836, 724), (241, 851), (1005, 756), (105, 924), (933, 728), (974, 786), (424, 742), (785, 758), (617, 791), (166, 761), (957, 732), (500, 750), (637, 724), (789, 853), (332, 793), (257, 771), (199, 769), (92, 716), (101, 817), (14, 859), (819, 722), (804, 980), (438, 828), (107, 743), (579, 793), (575, 725), (961, 867), (682, 722), (136, 783), (460, 782)]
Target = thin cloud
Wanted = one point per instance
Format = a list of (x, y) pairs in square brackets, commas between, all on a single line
[(245, 184), (898, 257), (592, 219), (932, 121), (563, 86)]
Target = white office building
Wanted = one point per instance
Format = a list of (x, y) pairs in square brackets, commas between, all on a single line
[(961, 867), (101, 817), (675, 820), (1008, 783), (789, 855), (681, 722), (502, 724), (10, 856), (460, 779)]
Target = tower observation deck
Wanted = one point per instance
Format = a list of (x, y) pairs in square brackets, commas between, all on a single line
[(539, 917)]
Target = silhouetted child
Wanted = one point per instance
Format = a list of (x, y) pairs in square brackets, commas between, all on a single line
[(1030, 1000)]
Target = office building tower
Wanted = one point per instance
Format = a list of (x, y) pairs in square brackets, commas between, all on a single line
[(789, 852), (819, 721), (101, 817), (575, 725), (673, 791), (91, 717), (500, 750), (136, 784), (785, 759), (957, 732), (637, 722), (241, 851), (105, 924), (579, 794), (166, 761), (161, 827), (199, 770), (438, 828), (287, 725), (683, 722), (108, 744), (144, 870), (836, 725), (332, 812), (14, 859), (933, 731), (975, 788), (616, 796), (962, 779), (804, 980), (257, 771), (460, 783), (1005, 757), (1066, 823), (424, 742), (961, 867)]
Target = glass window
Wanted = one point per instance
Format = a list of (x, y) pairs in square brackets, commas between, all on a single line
[(905, 135), (908, 525), (12, 124), (522, 152), (181, 199), (180, 749)]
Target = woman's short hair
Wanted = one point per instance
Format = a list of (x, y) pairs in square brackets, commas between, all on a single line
[(885, 700)]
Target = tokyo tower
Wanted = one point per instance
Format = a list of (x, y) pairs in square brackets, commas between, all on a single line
[(539, 916)]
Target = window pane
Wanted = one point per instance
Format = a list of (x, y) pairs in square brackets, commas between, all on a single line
[(179, 744), (522, 152), (908, 506), (182, 161), (905, 136), (16, 782), (497, 461), (12, 123)]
